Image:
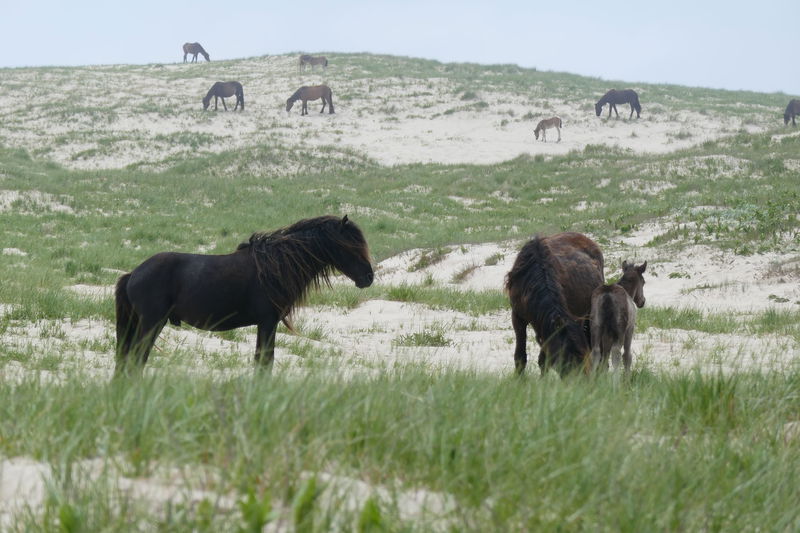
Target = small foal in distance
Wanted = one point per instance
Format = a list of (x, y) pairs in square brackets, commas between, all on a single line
[(546, 124)]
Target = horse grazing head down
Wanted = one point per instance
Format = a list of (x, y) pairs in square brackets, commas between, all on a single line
[(598, 108)]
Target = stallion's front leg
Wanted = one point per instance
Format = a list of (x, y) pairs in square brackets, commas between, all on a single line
[(223, 104), (265, 346)]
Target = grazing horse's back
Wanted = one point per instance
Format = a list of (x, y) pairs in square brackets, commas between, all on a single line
[(550, 288)]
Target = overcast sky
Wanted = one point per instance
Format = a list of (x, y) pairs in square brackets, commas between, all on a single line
[(729, 44)]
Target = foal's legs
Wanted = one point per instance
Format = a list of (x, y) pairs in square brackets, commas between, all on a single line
[(559, 134), (520, 326), (324, 103), (627, 356)]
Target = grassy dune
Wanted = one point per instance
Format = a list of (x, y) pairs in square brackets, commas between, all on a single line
[(398, 447)]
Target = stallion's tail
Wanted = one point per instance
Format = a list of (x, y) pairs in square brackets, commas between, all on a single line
[(127, 319)]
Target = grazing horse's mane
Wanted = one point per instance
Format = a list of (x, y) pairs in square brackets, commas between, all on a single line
[(291, 259), (533, 275), (295, 97)]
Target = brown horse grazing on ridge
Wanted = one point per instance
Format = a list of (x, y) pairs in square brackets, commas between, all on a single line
[(544, 125), (258, 284), (550, 287), (792, 110), (194, 49), (306, 59), (222, 90), (311, 93), (613, 317), (614, 97)]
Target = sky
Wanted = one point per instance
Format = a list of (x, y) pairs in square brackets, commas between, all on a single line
[(729, 44)]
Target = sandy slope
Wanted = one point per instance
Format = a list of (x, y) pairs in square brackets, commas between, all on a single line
[(113, 116)]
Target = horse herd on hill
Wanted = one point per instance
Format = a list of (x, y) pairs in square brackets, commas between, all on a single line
[(222, 90)]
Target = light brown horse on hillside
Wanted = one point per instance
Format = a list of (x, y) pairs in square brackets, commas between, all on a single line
[(194, 49), (546, 124), (222, 90), (613, 317), (550, 287), (306, 59), (311, 93)]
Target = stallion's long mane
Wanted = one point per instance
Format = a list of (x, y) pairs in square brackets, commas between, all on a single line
[(292, 259), (534, 281)]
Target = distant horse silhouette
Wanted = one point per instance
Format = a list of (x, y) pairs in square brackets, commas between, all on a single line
[(311, 93), (545, 124), (613, 317), (194, 49), (306, 59), (614, 97), (222, 90), (550, 287), (792, 110), (258, 284)]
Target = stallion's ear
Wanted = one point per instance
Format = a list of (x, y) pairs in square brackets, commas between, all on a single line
[(625, 265), (641, 268), (344, 221)]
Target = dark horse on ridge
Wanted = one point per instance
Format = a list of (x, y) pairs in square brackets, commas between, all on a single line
[(306, 59), (550, 287), (258, 284), (792, 110), (222, 90), (614, 97), (314, 92), (194, 49)]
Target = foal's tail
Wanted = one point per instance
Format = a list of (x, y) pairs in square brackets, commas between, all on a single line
[(609, 321), (127, 319)]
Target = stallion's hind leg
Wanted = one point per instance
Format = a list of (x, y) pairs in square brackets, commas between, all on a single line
[(520, 326), (225, 107), (141, 343)]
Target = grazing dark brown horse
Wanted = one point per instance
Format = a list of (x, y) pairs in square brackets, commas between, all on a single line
[(311, 93), (550, 287), (194, 49), (614, 97), (222, 90), (613, 317), (544, 125), (306, 59), (258, 284), (792, 110)]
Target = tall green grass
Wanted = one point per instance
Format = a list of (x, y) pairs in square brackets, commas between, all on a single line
[(659, 452)]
